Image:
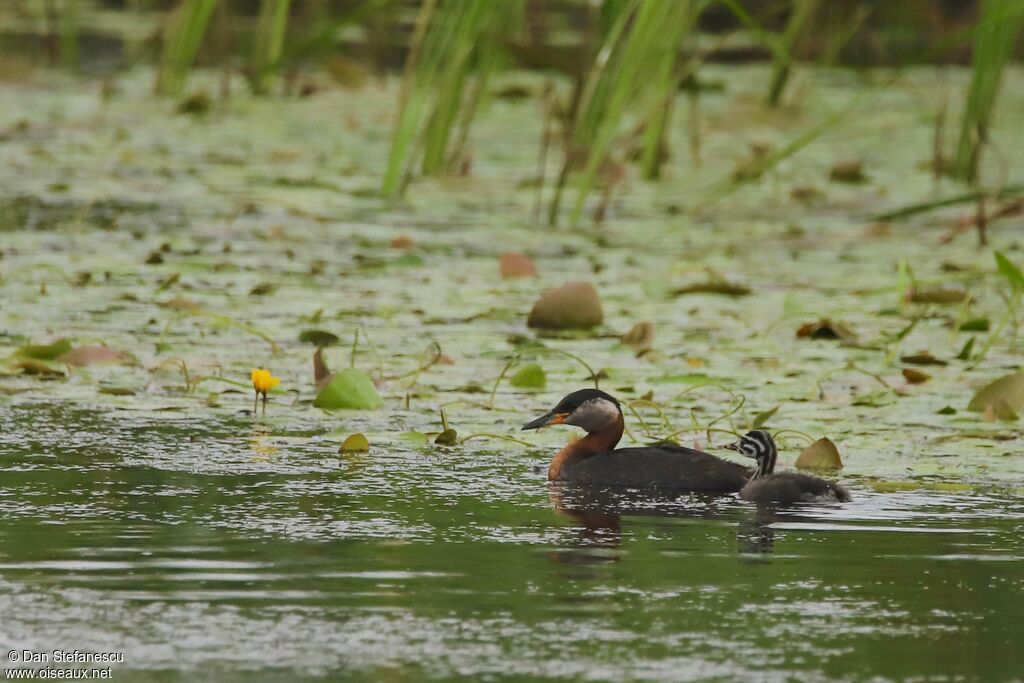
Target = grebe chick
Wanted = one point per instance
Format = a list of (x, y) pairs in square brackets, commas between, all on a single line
[(595, 460), (786, 487)]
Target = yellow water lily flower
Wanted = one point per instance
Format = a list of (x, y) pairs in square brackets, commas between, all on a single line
[(262, 382)]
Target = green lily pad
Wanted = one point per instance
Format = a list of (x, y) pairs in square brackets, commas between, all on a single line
[(356, 443), (448, 437), (1005, 392), (44, 351), (318, 337), (530, 376), (414, 437), (117, 391), (408, 260), (350, 389), (975, 325)]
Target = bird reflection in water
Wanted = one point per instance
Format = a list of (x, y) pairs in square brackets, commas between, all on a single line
[(755, 535), (598, 512)]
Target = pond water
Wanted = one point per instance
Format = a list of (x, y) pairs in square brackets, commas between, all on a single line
[(145, 510), (169, 541)]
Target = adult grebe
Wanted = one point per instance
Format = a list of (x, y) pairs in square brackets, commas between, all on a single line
[(592, 460), (786, 487)]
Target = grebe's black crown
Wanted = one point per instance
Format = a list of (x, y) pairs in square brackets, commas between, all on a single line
[(578, 398), (591, 409)]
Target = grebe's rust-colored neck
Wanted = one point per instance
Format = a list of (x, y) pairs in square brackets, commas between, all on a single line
[(581, 449)]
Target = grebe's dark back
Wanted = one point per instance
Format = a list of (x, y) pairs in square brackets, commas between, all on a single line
[(595, 460)]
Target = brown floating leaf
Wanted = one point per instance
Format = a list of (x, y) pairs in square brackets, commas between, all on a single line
[(37, 368), (640, 337), (179, 303), (403, 242), (513, 264), (574, 305), (262, 289), (922, 358), (880, 229), (806, 193), (713, 287), (822, 454), (356, 443), (847, 171), (915, 376), (1001, 397), (826, 329), (196, 104), (117, 391), (937, 295), (94, 355), (445, 359)]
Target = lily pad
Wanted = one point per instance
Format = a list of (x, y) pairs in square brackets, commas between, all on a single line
[(318, 337), (641, 336), (408, 260), (922, 358), (574, 305), (937, 295), (117, 391), (44, 351), (37, 368), (356, 443), (94, 355), (975, 325), (448, 437), (826, 329), (263, 288), (530, 376), (847, 171), (1006, 393), (413, 437), (713, 287), (822, 454), (513, 264), (350, 389), (915, 376)]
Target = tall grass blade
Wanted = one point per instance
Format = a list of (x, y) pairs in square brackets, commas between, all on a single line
[(410, 102), (666, 85), (800, 18), (267, 44), (620, 82), (69, 34), (181, 43), (1001, 22), (456, 46)]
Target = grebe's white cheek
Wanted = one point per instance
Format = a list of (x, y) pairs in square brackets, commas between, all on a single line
[(594, 415)]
